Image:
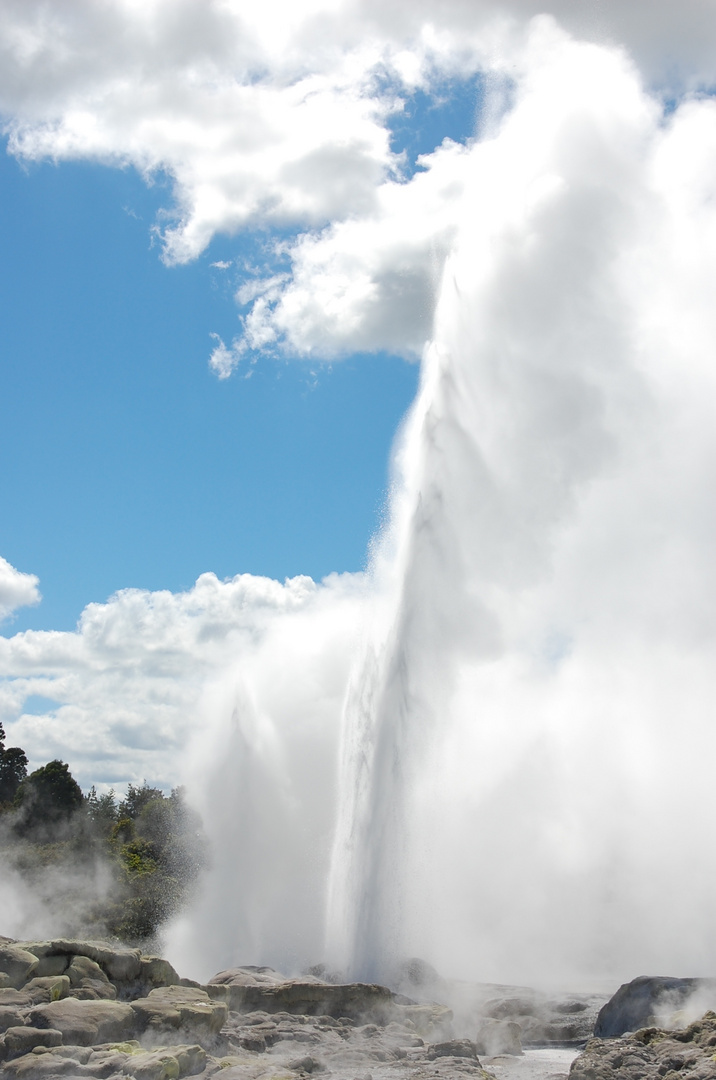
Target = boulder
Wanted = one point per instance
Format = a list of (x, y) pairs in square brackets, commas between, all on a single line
[(89, 981), (651, 1052), (460, 1048), (20, 1040), (86, 1023), (185, 1008), (52, 964), (10, 1016), (49, 988), (266, 991), (120, 964), (18, 964), (15, 998), (157, 972), (47, 1066), (650, 1000), (172, 1062)]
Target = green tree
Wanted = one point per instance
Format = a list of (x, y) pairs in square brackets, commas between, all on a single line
[(137, 798), (48, 798), (13, 769), (102, 811)]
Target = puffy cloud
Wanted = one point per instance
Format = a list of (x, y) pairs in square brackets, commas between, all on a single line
[(280, 116), (16, 589), (128, 684)]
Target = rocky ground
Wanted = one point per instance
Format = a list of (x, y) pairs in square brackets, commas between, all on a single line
[(88, 1009)]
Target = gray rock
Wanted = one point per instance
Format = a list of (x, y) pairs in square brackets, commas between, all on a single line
[(10, 1016), (265, 990), (170, 1008), (460, 1048), (48, 1066), (15, 998), (86, 1023), (18, 964), (47, 988), (20, 1040), (119, 964), (306, 1065), (157, 972), (652, 1000), (175, 1062), (52, 964), (650, 1054)]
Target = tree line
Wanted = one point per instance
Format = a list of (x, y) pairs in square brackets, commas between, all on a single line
[(131, 863)]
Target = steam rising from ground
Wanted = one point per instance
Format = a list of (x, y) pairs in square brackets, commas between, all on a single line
[(525, 788)]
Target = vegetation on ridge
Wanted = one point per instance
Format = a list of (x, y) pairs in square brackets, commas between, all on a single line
[(93, 863)]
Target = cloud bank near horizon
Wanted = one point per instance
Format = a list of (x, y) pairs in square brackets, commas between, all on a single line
[(121, 698)]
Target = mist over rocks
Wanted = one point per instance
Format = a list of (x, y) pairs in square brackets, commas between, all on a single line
[(655, 1000), (106, 1011), (97, 1009)]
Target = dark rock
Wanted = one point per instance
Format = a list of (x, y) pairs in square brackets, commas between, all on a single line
[(649, 1000), (650, 1054), (461, 1048)]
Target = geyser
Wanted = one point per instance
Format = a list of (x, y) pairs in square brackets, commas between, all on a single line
[(525, 786)]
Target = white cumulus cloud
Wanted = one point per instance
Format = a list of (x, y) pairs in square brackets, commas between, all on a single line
[(16, 589), (128, 684), (279, 116)]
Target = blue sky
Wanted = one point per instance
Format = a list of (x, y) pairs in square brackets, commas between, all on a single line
[(127, 462)]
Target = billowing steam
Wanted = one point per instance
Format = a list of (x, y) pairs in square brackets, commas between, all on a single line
[(525, 781)]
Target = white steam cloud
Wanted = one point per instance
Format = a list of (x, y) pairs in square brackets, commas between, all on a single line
[(521, 796)]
